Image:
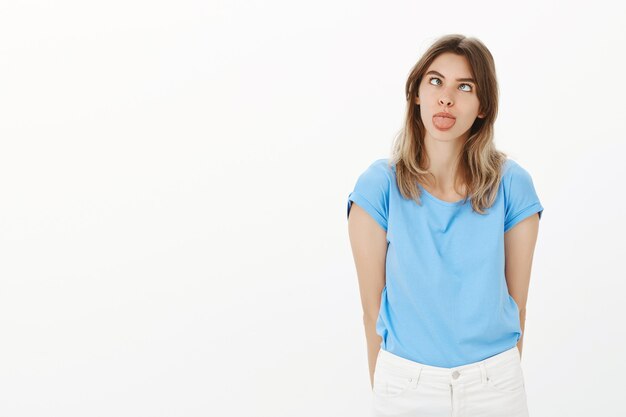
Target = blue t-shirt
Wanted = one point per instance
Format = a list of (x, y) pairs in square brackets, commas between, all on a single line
[(445, 302)]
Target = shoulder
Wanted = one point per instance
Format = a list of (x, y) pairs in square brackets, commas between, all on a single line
[(513, 171), (372, 190), (380, 171), (520, 197), (517, 184), (382, 165)]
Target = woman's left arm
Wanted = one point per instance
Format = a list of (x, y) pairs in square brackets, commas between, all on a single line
[(519, 246)]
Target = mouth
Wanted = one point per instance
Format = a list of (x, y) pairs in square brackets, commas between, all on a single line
[(443, 121)]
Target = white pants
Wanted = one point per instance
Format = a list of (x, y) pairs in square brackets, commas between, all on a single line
[(493, 387)]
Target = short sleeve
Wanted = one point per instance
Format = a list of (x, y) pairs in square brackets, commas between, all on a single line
[(521, 200), (371, 192)]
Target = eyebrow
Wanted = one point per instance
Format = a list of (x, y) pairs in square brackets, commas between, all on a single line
[(458, 79)]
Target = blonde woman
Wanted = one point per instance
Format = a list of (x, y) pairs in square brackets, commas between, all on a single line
[(443, 234)]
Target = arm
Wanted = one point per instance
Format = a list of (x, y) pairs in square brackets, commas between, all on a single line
[(369, 249), (519, 246)]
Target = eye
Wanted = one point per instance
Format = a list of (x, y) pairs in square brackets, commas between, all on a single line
[(436, 78), (433, 78)]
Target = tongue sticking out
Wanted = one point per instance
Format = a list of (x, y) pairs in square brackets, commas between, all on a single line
[(443, 122)]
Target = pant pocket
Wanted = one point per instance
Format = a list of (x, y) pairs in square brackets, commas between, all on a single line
[(391, 381), (507, 378)]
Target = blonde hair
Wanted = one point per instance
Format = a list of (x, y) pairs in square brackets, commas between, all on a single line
[(480, 163)]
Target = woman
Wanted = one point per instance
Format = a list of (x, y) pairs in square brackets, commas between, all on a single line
[(443, 235)]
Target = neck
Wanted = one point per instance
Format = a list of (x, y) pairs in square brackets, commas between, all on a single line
[(443, 159)]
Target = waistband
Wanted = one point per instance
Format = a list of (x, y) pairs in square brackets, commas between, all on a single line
[(476, 371)]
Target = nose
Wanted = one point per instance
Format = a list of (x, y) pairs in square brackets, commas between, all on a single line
[(445, 101)]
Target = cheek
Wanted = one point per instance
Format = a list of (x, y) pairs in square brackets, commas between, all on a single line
[(470, 105), (472, 102)]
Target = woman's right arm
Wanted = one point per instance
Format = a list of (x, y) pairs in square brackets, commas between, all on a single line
[(369, 249)]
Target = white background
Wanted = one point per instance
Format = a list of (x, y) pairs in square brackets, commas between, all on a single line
[(173, 190)]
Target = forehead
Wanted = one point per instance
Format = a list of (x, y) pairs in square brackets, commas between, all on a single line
[(451, 65)]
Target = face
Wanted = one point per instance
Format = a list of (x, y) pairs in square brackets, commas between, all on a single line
[(441, 91)]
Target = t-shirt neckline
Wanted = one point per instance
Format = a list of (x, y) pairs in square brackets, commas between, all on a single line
[(437, 200)]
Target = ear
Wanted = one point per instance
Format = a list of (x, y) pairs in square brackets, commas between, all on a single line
[(417, 100)]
